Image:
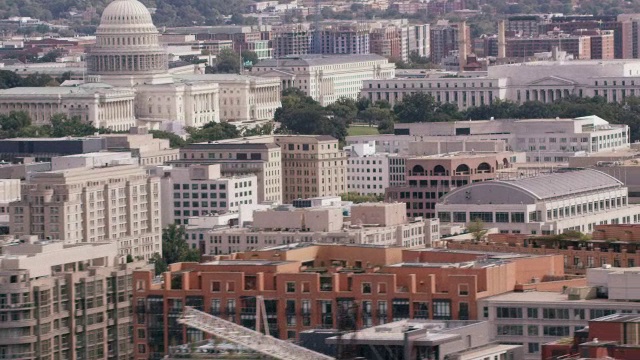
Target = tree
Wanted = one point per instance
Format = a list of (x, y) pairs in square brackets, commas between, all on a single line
[(62, 126), (386, 127), (357, 198), (266, 129), (9, 79), (175, 141), (249, 56), (477, 229), (174, 248), (375, 116), (213, 131), (228, 62), (237, 19), (415, 107), (344, 108)]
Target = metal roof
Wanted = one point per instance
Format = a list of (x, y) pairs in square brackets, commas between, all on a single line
[(564, 183)]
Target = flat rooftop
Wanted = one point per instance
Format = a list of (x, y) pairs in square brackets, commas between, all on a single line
[(247, 262), (437, 332), (550, 297)]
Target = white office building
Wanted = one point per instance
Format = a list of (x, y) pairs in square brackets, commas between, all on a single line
[(367, 171), (545, 204)]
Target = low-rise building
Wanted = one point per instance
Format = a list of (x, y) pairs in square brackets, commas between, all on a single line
[(546, 204), (373, 224), (607, 337), (200, 190), (65, 301), (304, 287), (616, 245), (142, 145), (535, 318), (428, 178), (427, 339), (43, 149)]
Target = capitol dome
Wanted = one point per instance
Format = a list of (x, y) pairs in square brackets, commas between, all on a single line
[(126, 42)]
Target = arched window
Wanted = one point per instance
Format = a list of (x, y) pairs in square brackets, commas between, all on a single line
[(439, 170), (418, 170), (484, 168), (462, 169)]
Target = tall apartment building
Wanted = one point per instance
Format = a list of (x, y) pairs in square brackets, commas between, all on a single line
[(577, 45), (312, 166), (308, 286), (419, 40), (292, 39), (118, 203), (342, 38), (62, 301), (428, 178), (444, 38), (199, 190), (238, 157), (388, 41), (525, 25)]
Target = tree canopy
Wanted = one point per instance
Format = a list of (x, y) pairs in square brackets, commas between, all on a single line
[(174, 249)]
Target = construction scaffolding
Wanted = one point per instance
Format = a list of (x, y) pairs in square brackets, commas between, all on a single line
[(254, 340)]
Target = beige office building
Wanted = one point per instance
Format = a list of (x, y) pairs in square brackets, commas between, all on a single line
[(241, 157), (111, 203), (312, 166), (373, 224), (144, 146), (60, 301)]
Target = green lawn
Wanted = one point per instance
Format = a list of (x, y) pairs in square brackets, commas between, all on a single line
[(362, 130)]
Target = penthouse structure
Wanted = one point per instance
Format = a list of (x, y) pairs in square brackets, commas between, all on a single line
[(373, 224), (544, 81), (89, 204), (546, 204), (326, 78), (429, 178), (387, 284), (65, 301)]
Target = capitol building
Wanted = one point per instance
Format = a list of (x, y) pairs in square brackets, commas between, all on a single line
[(129, 83)]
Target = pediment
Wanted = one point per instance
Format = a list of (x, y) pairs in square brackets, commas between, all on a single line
[(552, 81)]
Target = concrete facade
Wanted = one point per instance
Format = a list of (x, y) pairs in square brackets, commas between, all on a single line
[(65, 301), (200, 190), (367, 171), (544, 81), (107, 204), (371, 224)]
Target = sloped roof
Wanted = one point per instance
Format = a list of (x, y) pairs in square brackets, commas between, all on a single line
[(564, 183)]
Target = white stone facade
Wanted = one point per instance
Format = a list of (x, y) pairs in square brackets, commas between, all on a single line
[(200, 190), (545, 81), (367, 171), (542, 205), (326, 78)]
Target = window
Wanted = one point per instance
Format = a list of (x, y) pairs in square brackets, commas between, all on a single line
[(463, 289), (517, 217), (463, 311), (556, 331), (532, 330), (555, 313), (534, 347), (291, 287), (486, 217), (508, 313), (215, 286), (366, 288), (502, 217), (532, 313), (441, 309), (459, 217), (515, 330)]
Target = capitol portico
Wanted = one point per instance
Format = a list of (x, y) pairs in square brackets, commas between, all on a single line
[(129, 83)]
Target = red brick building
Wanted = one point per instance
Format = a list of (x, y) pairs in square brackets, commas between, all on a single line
[(314, 286), (610, 337), (616, 245)]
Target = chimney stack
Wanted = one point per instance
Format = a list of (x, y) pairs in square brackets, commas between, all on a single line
[(502, 41), (463, 44)]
